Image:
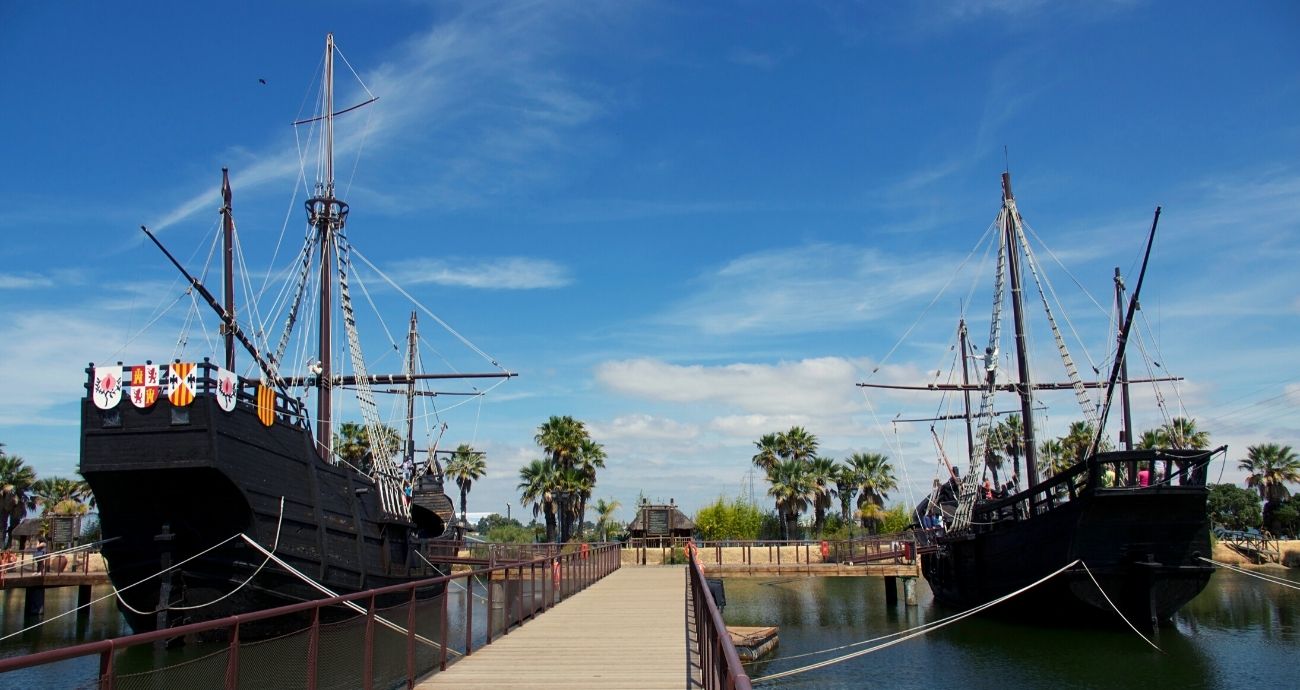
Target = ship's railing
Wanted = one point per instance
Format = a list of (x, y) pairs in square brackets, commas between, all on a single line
[(1138, 470), (289, 410), (711, 646), (376, 648)]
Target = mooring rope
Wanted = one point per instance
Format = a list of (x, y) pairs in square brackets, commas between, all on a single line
[(274, 545), (1262, 576), (915, 632), (350, 604), (1117, 611), (462, 587), (117, 592)]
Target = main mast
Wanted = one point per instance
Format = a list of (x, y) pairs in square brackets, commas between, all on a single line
[(327, 215), (1025, 387)]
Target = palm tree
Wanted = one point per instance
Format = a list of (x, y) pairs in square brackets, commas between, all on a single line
[(875, 480), (797, 444), (353, 445), (1271, 467), (16, 479), (793, 489), (1009, 438), (591, 456), (465, 466), (769, 451), (53, 490), (536, 481), (605, 516), (1152, 439), (822, 473), (1182, 433), (570, 485), (846, 485), (1076, 443), (561, 438), (1053, 456)]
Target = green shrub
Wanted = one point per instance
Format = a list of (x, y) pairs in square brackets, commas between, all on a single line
[(724, 519)]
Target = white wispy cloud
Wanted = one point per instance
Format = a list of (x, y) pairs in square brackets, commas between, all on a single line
[(499, 273), (476, 103), (24, 281), (642, 427), (824, 383), (808, 289)]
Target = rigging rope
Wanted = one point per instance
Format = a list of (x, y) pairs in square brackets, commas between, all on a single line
[(969, 488), (1086, 404), (914, 632), (384, 471), (426, 310)]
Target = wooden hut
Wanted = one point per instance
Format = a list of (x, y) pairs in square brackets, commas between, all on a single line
[(658, 523)]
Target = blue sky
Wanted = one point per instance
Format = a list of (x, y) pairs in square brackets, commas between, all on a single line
[(686, 224)]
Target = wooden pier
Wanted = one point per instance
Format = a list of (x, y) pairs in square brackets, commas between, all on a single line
[(626, 631)]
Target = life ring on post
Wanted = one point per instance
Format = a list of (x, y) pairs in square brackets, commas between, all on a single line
[(690, 549), (585, 549), (555, 571), (826, 550)]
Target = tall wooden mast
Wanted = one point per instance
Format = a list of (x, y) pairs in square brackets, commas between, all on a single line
[(1025, 387), (1123, 367), (228, 265), (327, 215)]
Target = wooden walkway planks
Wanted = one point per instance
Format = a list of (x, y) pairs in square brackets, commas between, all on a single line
[(626, 631)]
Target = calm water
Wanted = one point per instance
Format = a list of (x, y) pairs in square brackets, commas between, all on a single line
[(1239, 633)]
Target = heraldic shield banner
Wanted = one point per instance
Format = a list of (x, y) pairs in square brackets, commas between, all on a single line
[(181, 383), (107, 391), (227, 389), (145, 385), (266, 404)]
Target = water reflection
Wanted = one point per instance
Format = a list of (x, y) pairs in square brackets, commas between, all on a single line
[(1239, 632)]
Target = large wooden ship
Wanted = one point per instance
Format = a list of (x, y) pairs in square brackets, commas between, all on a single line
[(200, 473), (1129, 526)]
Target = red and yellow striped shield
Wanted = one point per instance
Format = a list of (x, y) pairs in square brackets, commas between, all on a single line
[(181, 383), (266, 404)]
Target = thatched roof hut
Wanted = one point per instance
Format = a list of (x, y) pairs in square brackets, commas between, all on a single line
[(659, 521)]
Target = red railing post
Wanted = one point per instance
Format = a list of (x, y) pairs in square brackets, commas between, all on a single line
[(106, 668), (368, 663), (469, 615), (488, 616), (442, 652), (232, 659), (410, 641), (313, 648)]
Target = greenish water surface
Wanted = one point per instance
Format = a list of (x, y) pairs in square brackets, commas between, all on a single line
[(1239, 633)]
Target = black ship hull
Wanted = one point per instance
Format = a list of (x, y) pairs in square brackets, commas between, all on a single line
[(1142, 544), (172, 483)]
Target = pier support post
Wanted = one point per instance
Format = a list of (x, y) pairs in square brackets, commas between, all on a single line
[(34, 605), (83, 597), (909, 590), (891, 590)]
